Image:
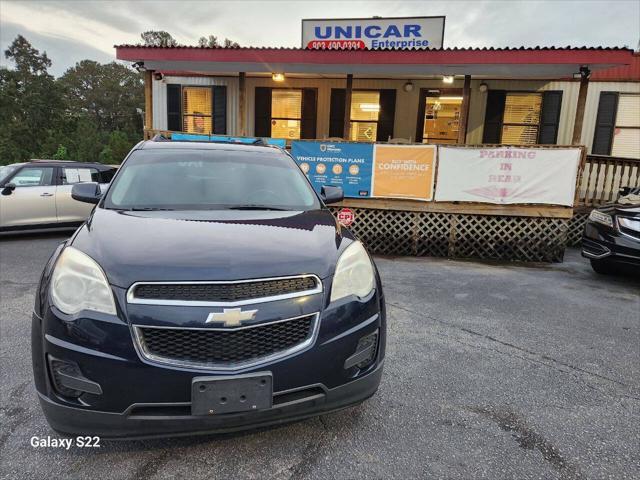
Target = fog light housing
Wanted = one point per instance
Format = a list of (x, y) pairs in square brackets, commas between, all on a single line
[(365, 352), (68, 381)]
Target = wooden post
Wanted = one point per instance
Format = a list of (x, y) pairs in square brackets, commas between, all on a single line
[(464, 110), (148, 100), (242, 101), (347, 107), (582, 100)]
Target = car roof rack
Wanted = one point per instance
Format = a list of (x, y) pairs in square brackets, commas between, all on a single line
[(44, 160), (258, 142), (159, 137)]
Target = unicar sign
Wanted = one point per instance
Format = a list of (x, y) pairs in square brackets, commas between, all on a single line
[(405, 33)]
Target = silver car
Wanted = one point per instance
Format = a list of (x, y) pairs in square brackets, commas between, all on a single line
[(36, 195)]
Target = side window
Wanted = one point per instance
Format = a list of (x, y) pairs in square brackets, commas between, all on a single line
[(78, 175), (33, 177), (105, 176)]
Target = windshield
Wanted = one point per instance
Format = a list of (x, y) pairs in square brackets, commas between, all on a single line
[(7, 170), (210, 179)]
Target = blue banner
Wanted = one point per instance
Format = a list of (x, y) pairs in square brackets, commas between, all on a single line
[(343, 164), (193, 137)]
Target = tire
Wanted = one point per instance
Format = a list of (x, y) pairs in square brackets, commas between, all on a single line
[(601, 266)]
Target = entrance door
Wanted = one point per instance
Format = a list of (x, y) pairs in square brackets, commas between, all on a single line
[(439, 116)]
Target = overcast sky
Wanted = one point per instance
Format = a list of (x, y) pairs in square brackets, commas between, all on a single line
[(70, 31)]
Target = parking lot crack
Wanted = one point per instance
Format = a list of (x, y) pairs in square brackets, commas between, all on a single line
[(152, 466), (529, 439), (544, 359), (309, 455)]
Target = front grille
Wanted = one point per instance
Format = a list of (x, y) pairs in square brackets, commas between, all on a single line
[(223, 291), (219, 347)]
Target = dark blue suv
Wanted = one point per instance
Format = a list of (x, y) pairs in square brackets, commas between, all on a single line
[(210, 290)]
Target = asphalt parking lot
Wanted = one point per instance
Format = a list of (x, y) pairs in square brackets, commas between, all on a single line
[(492, 371)]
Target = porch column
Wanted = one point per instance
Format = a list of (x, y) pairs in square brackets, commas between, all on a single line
[(582, 100), (148, 101), (347, 107), (464, 110), (242, 102)]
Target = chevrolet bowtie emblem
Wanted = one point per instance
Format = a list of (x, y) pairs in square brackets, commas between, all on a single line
[(232, 317)]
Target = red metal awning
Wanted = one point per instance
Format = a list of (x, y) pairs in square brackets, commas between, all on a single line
[(539, 62)]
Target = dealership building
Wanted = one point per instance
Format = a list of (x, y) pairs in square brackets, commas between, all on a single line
[(394, 81), (421, 92)]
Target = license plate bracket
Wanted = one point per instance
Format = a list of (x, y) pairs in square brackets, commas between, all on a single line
[(237, 393)]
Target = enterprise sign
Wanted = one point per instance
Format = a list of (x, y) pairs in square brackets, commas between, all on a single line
[(373, 33)]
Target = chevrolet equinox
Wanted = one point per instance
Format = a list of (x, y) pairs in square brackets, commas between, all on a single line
[(210, 290)]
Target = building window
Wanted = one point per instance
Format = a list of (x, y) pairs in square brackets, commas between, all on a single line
[(196, 110), (286, 113), (521, 118), (626, 134), (365, 113), (440, 117)]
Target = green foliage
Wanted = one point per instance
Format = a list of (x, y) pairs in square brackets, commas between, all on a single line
[(30, 102), (61, 153), (158, 38), (89, 110), (116, 149), (212, 41)]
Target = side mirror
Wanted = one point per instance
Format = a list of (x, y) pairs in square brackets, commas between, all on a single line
[(8, 189), (331, 194), (88, 192)]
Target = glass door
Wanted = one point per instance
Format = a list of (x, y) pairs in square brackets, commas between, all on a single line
[(439, 121)]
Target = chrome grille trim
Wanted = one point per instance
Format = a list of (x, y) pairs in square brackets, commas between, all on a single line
[(131, 298), (165, 361)]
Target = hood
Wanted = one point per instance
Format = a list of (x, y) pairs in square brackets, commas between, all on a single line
[(621, 209), (211, 245)]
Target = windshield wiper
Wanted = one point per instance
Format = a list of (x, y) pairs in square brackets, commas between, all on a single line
[(149, 209), (254, 207)]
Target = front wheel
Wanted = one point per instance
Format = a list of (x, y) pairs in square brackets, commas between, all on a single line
[(602, 267)]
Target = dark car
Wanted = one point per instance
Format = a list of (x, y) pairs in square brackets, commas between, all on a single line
[(36, 195), (611, 237), (210, 290)]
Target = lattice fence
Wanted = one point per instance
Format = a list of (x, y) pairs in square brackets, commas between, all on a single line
[(576, 226), (392, 232)]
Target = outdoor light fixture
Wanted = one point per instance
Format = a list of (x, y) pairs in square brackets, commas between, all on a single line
[(158, 76), (139, 66), (277, 77), (408, 87), (583, 73), (483, 87), (447, 79)]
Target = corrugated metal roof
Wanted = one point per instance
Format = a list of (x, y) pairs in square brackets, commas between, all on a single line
[(448, 49), (624, 73)]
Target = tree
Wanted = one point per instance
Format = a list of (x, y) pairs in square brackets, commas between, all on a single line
[(61, 153), (116, 149), (158, 38), (108, 94), (30, 102), (212, 41)]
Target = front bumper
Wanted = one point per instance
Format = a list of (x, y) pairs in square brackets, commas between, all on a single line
[(600, 242), (134, 397), (141, 421)]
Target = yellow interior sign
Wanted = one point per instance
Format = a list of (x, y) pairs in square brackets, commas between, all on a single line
[(403, 171)]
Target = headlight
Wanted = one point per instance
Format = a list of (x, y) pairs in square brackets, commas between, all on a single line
[(354, 273), (600, 217), (629, 223), (78, 283)]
